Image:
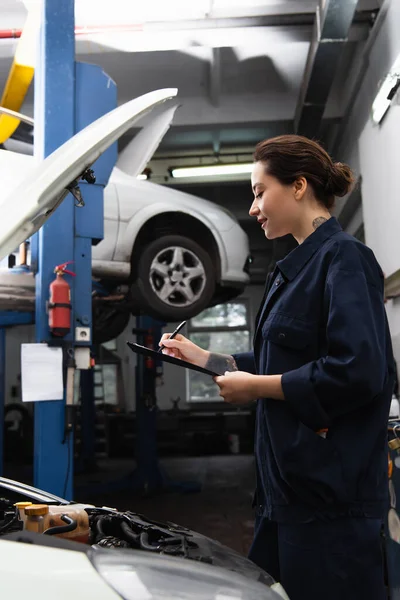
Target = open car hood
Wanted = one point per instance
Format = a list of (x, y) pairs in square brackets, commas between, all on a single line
[(135, 156), (28, 200), (29, 492)]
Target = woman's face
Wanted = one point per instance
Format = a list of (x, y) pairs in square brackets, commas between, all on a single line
[(274, 204)]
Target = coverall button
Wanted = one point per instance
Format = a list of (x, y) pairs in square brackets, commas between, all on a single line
[(281, 336)]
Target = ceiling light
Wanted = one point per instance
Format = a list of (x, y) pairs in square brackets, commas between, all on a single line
[(386, 92), (142, 176), (212, 170)]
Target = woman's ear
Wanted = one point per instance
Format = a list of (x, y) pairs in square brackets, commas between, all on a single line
[(300, 187)]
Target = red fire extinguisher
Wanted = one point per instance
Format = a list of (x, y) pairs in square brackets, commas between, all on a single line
[(60, 302)]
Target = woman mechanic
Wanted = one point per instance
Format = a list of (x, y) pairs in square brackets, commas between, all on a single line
[(321, 371)]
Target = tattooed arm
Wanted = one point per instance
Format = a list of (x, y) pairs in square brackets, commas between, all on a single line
[(220, 363)]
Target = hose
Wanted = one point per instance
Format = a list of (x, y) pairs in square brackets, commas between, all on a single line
[(71, 525), (10, 523), (129, 535), (144, 541)]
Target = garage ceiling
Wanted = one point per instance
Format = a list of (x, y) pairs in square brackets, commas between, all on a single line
[(245, 70)]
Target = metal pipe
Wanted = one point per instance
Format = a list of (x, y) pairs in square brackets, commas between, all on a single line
[(6, 34), (17, 115), (288, 20), (23, 254), (335, 146)]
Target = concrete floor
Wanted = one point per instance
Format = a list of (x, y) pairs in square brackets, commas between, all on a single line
[(221, 510)]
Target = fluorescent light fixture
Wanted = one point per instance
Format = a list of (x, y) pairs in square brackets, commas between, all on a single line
[(386, 92), (212, 170), (142, 176)]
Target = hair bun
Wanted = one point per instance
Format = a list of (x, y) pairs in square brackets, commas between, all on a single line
[(340, 180)]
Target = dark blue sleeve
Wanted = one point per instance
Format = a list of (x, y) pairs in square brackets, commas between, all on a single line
[(245, 362), (354, 370)]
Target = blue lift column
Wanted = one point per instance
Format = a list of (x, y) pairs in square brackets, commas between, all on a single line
[(96, 94), (54, 125), (69, 96)]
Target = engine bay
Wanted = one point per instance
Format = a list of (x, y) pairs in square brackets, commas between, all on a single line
[(23, 508)]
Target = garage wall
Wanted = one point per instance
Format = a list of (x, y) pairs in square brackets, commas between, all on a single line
[(373, 153)]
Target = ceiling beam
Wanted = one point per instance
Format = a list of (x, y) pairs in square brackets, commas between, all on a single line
[(215, 77), (331, 31)]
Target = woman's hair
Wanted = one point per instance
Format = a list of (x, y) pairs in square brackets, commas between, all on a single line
[(288, 157)]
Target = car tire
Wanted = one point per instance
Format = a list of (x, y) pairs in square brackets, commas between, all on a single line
[(175, 279), (108, 322)]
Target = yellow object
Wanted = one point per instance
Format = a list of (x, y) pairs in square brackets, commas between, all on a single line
[(394, 444), (21, 509), (18, 82), (35, 517), (40, 517), (36, 510), (21, 72), (77, 513)]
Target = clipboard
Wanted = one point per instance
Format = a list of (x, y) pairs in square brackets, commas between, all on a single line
[(170, 359)]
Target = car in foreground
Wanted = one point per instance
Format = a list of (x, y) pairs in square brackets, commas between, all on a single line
[(119, 555)]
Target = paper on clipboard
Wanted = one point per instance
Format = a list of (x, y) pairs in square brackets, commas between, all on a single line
[(170, 359), (41, 372)]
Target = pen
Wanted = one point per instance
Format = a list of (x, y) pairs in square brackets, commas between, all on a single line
[(173, 334)]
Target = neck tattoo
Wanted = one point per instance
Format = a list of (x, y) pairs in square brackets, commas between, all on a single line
[(318, 221)]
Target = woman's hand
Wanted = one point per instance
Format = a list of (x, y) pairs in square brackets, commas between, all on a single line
[(237, 387), (181, 347)]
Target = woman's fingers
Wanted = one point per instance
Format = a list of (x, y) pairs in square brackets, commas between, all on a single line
[(166, 336), (170, 352)]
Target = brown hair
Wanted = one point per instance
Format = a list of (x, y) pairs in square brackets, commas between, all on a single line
[(288, 157)]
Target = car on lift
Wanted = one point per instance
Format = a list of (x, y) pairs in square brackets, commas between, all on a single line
[(74, 551), (165, 253)]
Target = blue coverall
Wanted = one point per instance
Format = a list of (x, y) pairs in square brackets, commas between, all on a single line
[(321, 496)]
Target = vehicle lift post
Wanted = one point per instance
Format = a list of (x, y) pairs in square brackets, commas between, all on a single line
[(68, 96), (149, 475)]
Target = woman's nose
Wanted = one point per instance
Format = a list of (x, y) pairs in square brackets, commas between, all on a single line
[(253, 212)]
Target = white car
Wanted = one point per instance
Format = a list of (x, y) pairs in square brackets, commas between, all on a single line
[(119, 555), (165, 253)]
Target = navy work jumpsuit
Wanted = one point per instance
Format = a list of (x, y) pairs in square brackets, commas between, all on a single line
[(321, 455)]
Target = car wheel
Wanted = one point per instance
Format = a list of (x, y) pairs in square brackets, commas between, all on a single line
[(108, 322), (175, 279)]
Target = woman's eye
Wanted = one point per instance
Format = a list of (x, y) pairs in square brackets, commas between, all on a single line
[(259, 195)]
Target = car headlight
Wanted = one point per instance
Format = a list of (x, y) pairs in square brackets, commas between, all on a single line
[(138, 576)]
